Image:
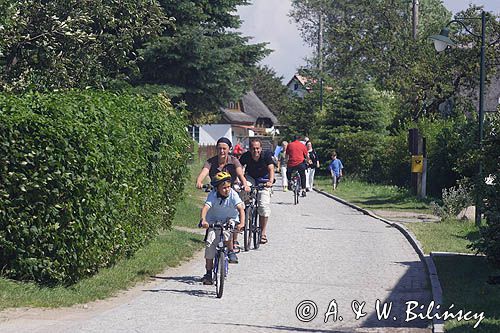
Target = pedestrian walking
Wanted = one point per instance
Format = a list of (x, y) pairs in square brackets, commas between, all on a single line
[(312, 165), (336, 170)]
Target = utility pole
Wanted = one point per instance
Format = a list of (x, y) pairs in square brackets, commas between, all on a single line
[(320, 60), (415, 19)]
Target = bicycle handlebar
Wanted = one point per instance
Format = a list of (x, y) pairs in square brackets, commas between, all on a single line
[(218, 225)]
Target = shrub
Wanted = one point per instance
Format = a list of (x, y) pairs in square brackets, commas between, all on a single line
[(489, 243), (455, 199), (85, 179), (360, 153)]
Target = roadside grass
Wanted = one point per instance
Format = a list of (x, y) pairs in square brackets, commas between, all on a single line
[(374, 196), (446, 236), (464, 283), (169, 249)]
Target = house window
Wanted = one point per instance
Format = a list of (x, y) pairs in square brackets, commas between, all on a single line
[(194, 132), (296, 86), (233, 106)]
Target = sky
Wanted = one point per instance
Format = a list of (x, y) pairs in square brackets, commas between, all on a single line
[(268, 21)]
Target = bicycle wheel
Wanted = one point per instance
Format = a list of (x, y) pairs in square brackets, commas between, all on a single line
[(221, 273), (296, 193), (247, 237), (257, 233)]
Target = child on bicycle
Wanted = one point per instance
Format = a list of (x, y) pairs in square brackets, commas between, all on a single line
[(222, 204)]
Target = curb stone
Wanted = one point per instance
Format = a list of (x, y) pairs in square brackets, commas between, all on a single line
[(437, 293)]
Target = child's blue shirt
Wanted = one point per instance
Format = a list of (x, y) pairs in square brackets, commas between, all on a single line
[(221, 209), (336, 166)]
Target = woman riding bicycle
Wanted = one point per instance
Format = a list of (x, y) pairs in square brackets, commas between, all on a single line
[(222, 203), (223, 161)]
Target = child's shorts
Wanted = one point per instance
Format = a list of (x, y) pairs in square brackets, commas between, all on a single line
[(212, 239)]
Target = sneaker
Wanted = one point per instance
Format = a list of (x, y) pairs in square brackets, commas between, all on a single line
[(233, 259), (303, 193), (285, 189), (207, 279), (307, 190)]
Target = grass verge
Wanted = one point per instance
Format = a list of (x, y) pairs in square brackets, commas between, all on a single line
[(447, 236), (169, 249), (374, 196), (464, 283)]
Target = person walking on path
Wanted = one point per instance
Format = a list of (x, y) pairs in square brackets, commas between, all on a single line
[(282, 159), (259, 167), (312, 164), (336, 170), (297, 155)]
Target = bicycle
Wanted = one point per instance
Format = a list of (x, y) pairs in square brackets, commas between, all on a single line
[(221, 260), (207, 187), (296, 187), (252, 222)]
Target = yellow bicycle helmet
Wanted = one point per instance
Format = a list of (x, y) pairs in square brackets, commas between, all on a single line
[(220, 177)]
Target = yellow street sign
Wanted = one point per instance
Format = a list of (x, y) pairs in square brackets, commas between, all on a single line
[(417, 163)]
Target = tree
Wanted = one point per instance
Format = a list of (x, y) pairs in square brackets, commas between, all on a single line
[(355, 106), (69, 43), (372, 40), (353, 123), (203, 54), (271, 90)]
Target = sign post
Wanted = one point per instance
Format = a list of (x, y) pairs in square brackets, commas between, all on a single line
[(418, 162)]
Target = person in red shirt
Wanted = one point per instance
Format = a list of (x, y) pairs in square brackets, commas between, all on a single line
[(297, 156), (238, 150)]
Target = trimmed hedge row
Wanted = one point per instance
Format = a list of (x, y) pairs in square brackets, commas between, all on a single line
[(86, 178)]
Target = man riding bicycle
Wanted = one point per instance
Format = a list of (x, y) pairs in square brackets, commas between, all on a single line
[(259, 168), (297, 156)]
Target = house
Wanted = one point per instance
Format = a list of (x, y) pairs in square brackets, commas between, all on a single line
[(298, 85), (242, 119)]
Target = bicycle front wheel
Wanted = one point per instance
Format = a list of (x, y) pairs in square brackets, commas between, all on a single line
[(247, 238), (295, 195), (257, 232), (221, 273)]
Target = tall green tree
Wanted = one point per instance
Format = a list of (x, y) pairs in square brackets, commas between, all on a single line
[(353, 123), (270, 88), (372, 40), (73, 43), (202, 54)]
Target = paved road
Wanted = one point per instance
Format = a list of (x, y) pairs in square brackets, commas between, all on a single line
[(319, 250)]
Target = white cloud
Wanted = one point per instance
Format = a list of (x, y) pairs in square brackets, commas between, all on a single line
[(268, 21)]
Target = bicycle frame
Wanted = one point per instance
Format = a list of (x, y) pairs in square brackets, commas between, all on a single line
[(252, 226), (296, 187), (221, 252)]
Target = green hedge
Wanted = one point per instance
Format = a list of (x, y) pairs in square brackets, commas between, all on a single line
[(86, 178), (489, 242)]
